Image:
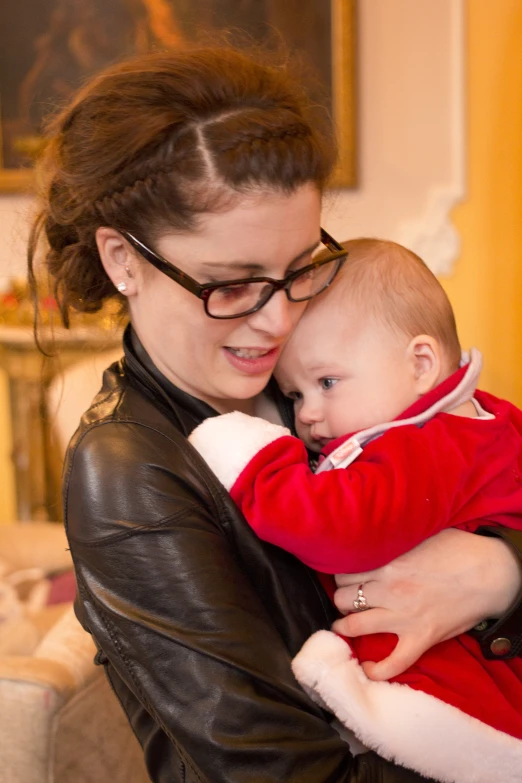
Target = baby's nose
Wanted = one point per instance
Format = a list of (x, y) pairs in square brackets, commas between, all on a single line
[(309, 412)]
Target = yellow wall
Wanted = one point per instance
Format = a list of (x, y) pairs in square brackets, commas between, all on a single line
[(7, 498), (486, 287)]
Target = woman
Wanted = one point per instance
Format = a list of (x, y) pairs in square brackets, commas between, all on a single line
[(209, 160)]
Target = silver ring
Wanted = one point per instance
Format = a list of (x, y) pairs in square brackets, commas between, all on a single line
[(360, 603)]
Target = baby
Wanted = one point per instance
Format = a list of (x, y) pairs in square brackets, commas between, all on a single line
[(408, 448)]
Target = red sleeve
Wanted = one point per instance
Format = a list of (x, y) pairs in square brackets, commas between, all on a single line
[(400, 491)]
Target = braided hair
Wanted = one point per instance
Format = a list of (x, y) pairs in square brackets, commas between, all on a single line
[(151, 143)]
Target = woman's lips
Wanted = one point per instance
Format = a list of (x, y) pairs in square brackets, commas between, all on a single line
[(253, 361)]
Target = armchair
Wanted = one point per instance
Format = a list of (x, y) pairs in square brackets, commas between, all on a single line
[(60, 721)]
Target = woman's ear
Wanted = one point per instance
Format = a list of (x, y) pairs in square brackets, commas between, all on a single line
[(424, 355), (118, 260)]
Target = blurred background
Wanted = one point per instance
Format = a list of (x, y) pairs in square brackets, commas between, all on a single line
[(427, 99)]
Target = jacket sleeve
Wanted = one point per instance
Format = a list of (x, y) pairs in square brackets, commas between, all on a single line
[(509, 626), (188, 645)]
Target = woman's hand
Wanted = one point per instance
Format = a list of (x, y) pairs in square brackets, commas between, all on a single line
[(443, 587)]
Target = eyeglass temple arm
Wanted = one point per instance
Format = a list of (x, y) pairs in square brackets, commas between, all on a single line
[(169, 269), (329, 241)]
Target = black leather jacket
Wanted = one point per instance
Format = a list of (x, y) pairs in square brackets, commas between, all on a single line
[(196, 619)]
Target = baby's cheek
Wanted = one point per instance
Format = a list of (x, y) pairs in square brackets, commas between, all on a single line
[(343, 418), (303, 430)]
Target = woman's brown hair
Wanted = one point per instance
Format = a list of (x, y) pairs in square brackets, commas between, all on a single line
[(151, 143)]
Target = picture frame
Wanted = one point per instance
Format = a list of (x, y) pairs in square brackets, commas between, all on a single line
[(37, 60)]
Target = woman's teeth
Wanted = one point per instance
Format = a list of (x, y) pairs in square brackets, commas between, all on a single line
[(248, 353)]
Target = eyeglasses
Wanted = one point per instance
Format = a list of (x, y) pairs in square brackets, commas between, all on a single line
[(246, 295)]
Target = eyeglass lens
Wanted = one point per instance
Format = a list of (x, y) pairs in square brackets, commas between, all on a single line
[(244, 297)]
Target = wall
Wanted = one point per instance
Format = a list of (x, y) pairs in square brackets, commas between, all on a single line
[(411, 128), (7, 493), (486, 286)]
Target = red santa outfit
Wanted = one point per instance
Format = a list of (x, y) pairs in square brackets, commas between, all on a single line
[(454, 715)]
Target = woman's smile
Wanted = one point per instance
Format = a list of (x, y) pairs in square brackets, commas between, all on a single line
[(253, 360)]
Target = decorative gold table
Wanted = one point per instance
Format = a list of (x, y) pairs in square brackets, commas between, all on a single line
[(36, 467)]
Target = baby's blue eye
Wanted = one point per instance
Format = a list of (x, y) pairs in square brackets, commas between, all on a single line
[(327, 383)]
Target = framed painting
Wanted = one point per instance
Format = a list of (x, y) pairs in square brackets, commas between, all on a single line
[(47, 50)]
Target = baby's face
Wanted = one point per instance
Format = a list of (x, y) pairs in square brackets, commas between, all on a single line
[(345, 372)]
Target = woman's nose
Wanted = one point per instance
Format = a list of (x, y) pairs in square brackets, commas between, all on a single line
[(278, 316)]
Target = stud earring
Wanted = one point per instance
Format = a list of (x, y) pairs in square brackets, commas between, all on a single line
[(129, 273), (122, 287)]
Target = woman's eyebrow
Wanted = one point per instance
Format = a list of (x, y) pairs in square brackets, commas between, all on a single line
[(239, 266), (250, 266)]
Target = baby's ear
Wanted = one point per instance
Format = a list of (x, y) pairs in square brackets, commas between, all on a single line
[(424, 355)]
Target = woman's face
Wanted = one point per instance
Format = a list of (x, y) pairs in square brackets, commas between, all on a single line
[(226, 362)]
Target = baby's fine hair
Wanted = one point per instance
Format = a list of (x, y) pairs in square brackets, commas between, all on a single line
[(395, 285)]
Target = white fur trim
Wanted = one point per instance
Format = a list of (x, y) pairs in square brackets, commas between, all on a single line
[(228, 442), (402, 724)]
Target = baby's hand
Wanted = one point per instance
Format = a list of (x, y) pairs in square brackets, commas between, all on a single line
[(228, 442)]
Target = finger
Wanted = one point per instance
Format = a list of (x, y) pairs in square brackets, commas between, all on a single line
[(343, 580), (344, 597), (405, 654), (363, 623)]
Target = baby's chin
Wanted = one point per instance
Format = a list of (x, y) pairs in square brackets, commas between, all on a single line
[(313, 446)]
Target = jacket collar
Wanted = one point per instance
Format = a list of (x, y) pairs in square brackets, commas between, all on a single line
[(143, 375)]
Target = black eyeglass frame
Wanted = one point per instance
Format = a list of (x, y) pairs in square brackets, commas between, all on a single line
[(203, 291)]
